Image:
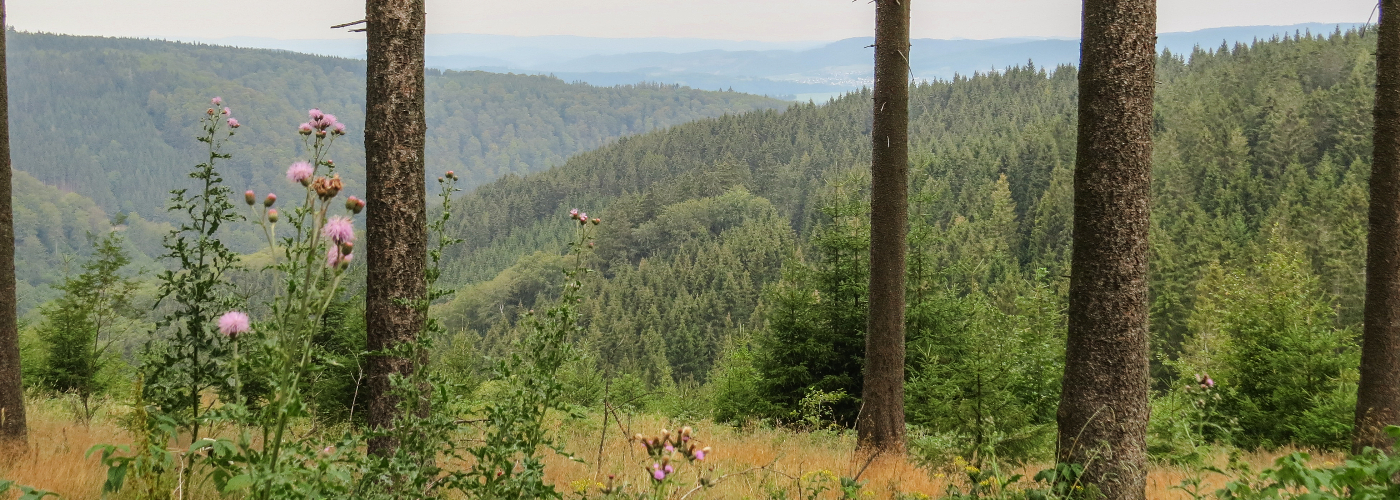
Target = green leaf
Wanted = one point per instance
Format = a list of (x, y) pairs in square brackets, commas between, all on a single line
[(236, 483)]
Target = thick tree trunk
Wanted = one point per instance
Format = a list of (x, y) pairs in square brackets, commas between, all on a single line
[(13, 433), (1378, 396), (1103, 408), (881, 423), (397, 221)]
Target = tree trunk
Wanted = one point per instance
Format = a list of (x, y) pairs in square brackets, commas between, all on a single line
[(1378, 395), (397, 221), (1103, 407), (13, 433), (881, 423)]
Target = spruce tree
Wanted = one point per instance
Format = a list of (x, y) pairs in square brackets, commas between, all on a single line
[(881, 423), (397, 221), (1104, 408), (13, 432), (1378, 394)]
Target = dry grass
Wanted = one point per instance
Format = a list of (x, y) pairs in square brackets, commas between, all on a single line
[(55, 461)]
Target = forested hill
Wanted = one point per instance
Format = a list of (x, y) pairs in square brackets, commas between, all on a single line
[(1261, 161), (114, 119)]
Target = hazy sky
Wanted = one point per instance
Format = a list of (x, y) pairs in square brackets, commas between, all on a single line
[(768, 20)]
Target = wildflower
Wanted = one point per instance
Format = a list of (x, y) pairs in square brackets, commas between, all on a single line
[(1208, 383), (338, 128), (226, 111), (210, 111), (271, 198), (339, 229), (347, 247), (573, 214), (596, 221), (669, 469), (699, 455), (334, 257), (232, 123), (670, 448), (451, 175), (327, 188), (233, 323), (250, 197), (300, 172), (272, 215), (359, 206), (217, 101), (315, 114), (351, 203), (657, 473), (304, 129)]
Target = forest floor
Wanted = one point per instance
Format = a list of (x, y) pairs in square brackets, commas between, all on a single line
[(760, 463)]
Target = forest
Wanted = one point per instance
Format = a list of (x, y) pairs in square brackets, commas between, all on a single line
[(657, 257)]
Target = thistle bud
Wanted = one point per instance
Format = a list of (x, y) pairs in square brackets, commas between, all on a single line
[(351, 203), (328, 188), (347, 247), (210, 111), (596, 221), (451, 175), (321, 134), (249, 196), (271, 198), (439, 180), (272, 215), (359, 206), (330, 163)]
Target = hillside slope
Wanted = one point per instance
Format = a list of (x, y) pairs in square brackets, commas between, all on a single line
[(114, 119), (1260, 149)]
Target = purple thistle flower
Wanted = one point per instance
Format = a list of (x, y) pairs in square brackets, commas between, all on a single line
[(669, 469), (232, 123), (226, 111), (700, 455), (304, 129), (670, 448), (300, 172), (334, 257), (339, 128), (339, 230), (315, 114), (233, 323), (217, 101)]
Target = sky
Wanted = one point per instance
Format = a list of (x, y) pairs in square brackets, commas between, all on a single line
[(761, 20)]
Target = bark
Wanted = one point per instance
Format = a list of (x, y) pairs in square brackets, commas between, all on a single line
[(1103, 408), (13, 432), (881, 423), (396, 235), (1378, 394)]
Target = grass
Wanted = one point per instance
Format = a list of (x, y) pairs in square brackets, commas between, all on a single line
[(778, 462)]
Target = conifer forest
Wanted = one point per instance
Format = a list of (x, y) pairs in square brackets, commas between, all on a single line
[(260, 274)]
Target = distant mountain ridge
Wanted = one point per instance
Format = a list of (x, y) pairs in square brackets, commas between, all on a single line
[(790, 70)]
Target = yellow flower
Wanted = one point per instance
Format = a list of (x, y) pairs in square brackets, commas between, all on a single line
[(580, 486)]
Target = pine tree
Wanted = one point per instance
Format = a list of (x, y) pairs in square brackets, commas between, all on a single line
[(1378, 394), (881, 422), (1104, 408), (13, 432), (397, 220)]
